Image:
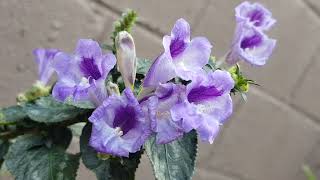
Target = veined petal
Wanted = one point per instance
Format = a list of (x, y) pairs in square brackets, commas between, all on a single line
[(161, 71), (193, 59), (44, 58), (255, 14), (88, 48), (61, 91), (208, 130), (251, 45), (181, 30), (106, 63), (119, 125)]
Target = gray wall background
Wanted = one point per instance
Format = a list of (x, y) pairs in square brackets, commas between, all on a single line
[(269, 137)]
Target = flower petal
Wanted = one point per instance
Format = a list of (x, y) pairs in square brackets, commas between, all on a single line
[(119, 125), (193, 59), (44, 58), (161, 71), (88, 48)]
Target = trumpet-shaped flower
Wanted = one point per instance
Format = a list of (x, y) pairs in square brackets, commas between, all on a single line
[(119, 125), (251, 45), (81, 76), (182, 57), (255, 14), (207, 104), (44, 58)]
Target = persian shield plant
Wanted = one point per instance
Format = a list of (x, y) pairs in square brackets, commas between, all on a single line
[(121, 105)]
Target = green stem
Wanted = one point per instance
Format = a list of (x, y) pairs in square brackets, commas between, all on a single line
[(35, 130)]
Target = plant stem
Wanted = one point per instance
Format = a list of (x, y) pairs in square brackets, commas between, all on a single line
[(15, 133)]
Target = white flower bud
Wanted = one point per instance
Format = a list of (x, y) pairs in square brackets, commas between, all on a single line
[(126, 58)]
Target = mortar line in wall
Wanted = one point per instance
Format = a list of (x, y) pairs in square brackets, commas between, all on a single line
[(141, 22), (303, 75), (312, 7), (290, 106)]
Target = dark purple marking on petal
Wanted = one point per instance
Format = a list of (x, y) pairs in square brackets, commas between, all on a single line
[(252, 41), (167, 94), (177, 46), (50, 53), (89, 68), (125, 118), (202, 93), (257, 17)]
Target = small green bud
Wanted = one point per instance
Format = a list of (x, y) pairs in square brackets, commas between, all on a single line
[(38, 90)]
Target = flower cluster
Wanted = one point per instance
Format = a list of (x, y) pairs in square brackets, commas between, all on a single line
[(250, 43), (178, 93)]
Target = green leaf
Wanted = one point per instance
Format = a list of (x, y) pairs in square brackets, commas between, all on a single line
[(4, 146), (113, 168), (143, 66), (175, 160), (12, 114), (47, 110), (59, 136), (29, 159)]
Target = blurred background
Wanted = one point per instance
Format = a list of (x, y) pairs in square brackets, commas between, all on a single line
[(269, 137)]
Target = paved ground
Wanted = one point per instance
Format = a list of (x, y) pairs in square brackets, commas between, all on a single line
[(269, 137)]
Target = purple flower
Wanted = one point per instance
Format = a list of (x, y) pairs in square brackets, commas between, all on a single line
[(255, 14), (251, 45), (44, 58), (159, 108), (207, 105), (81, 76), (119, 125), (181, 57)]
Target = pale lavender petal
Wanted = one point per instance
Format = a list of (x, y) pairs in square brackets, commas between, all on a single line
[(159, 110), (67, 68), (88, 48), (181, 30), (119, 125), (175, 44), (255, 14), (161, 71), (185, 116), (193, 59), (161, 122), (251, 45), (208, 130), (44, 58), (106, 63), (61, 91)]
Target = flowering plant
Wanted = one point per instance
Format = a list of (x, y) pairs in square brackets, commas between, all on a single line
[(122, 106)]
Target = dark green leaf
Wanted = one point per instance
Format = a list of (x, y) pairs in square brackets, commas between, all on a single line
[(29, 159), (4, 146), (47, 110), (175, 160), (59, 136), (113, 168), (143, 66), (12, 114)]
